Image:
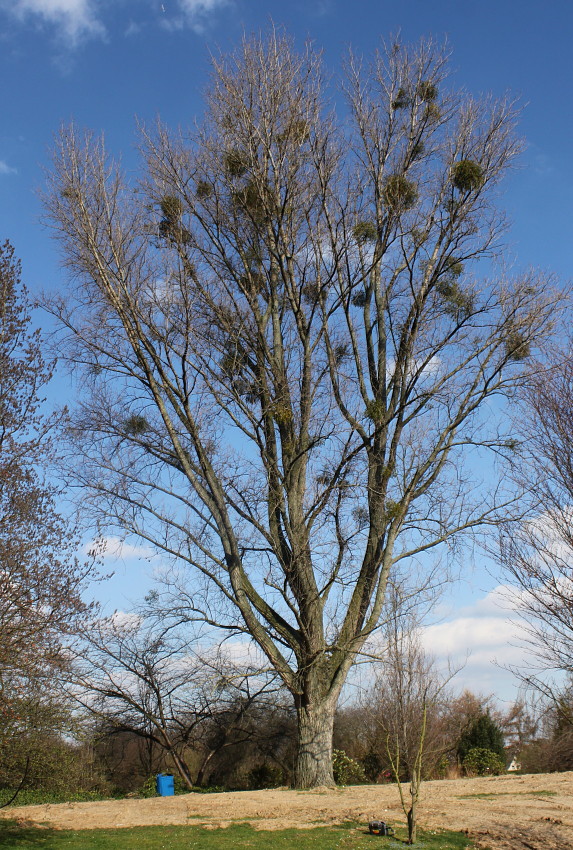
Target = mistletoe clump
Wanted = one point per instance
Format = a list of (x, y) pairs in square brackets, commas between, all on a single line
[(376, 411), (467, 175), (170, 226), (427, 91), (516, 345), (402, 99), (365, 231), (236, 163), (400, 194), (203, 190), (136, 425), (251, 201)]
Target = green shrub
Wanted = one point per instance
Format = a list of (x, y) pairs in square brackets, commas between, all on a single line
[(36, 797), (149, 787), (346, 770), (482, 733), (482, 762), (372, 765)]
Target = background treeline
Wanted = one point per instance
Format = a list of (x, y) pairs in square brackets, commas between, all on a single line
[(244, 741)]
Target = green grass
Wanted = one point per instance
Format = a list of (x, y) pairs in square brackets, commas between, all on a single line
[(490, 795), (345, 837)]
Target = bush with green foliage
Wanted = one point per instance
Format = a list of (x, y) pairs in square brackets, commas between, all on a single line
[(482, 733), (346, 770), (373, 765), (34, 797), (482, 762)]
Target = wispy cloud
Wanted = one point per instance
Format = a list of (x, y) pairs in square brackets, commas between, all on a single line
[(73, 20), (7, 169), (194, 14), (114, 549)]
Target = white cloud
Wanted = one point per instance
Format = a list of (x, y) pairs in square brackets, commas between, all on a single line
[(485, 640), (191, 13), (6, 169), (200, 7), (73, 19), (115, 549), (124, 621)]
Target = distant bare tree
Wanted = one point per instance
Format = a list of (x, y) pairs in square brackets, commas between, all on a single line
[(285, 350), (139, 677), (538, 556)]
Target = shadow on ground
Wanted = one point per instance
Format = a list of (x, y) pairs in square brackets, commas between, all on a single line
[(14, 834)]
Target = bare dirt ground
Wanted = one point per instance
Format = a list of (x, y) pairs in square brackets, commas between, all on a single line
[(513, 812)]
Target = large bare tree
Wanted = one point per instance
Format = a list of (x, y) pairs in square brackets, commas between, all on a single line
[(286, 354)]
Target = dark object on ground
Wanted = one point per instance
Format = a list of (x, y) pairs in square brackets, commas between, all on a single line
[(379, 827)]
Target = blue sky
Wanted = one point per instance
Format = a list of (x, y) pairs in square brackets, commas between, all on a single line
[(104, 63)]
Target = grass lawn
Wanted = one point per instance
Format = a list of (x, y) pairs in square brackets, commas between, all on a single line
[(346, 837), (492, 795)]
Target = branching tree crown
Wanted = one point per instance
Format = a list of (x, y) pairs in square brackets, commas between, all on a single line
[(538, 555), (40, 579), (285, 348)]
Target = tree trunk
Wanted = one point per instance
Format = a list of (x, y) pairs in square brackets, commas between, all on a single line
[(182, 770), (412, 823), (314, 756)]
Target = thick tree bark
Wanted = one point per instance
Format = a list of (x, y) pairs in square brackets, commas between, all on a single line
[(314, 753)]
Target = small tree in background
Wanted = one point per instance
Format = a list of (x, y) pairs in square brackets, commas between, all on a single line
[(538, 555), (407, 703), (139, 677), (482, 733)]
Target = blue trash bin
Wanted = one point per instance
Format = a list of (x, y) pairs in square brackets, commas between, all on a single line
[(165, 785)]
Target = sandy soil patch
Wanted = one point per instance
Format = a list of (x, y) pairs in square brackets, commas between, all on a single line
[(510, 812)]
